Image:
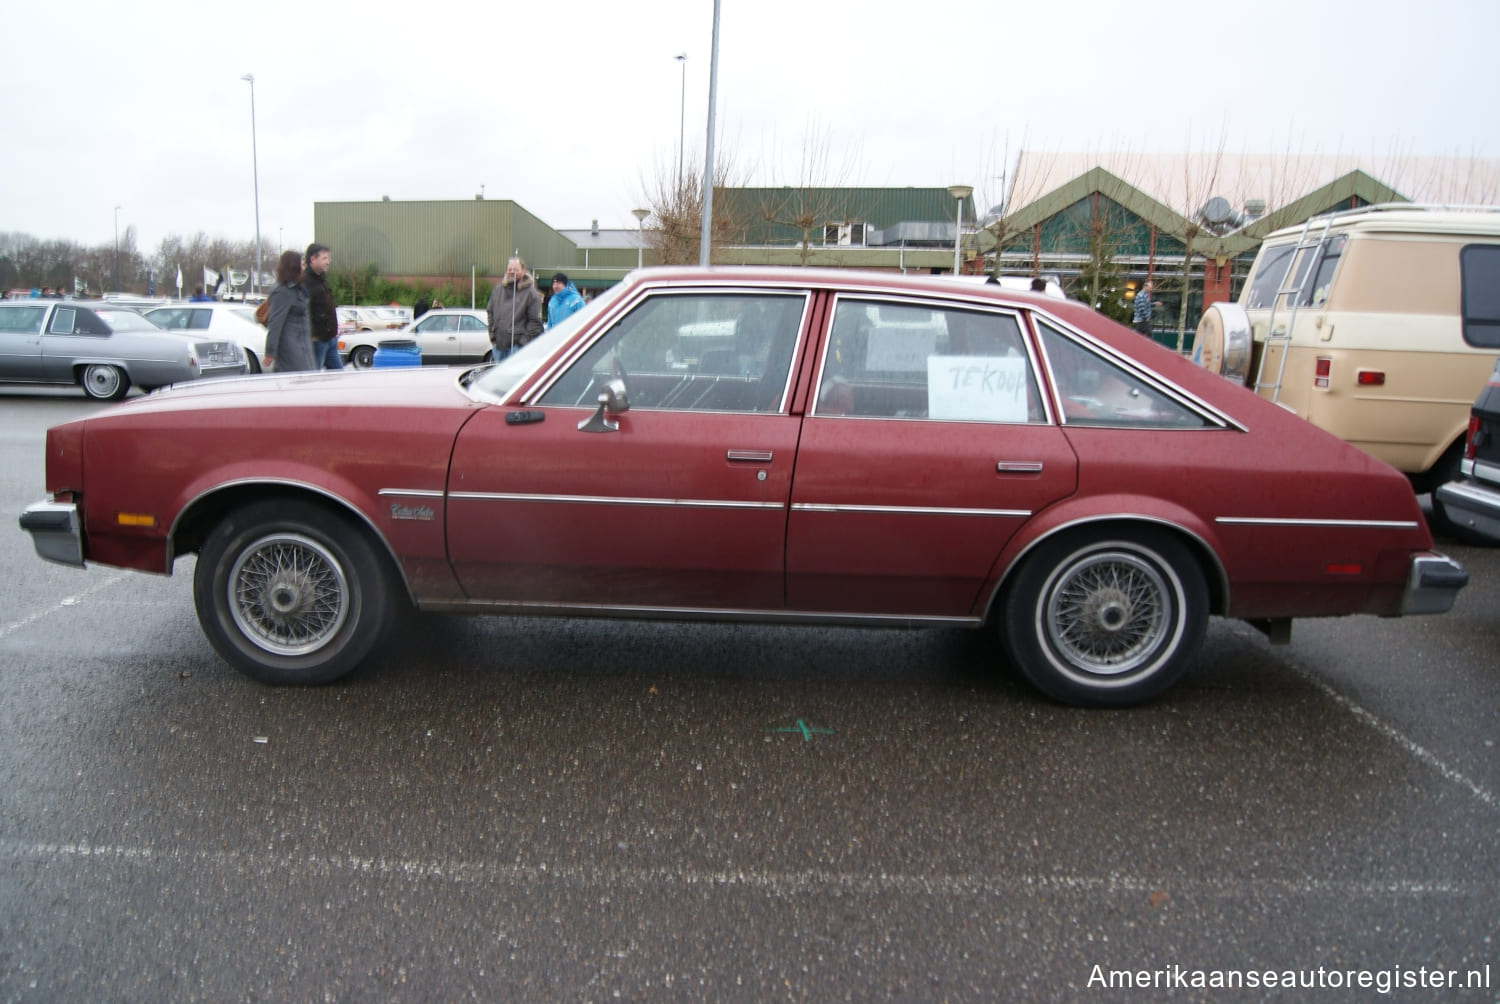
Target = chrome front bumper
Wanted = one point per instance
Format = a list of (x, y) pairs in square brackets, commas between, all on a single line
[(1471, 504), (1433, 584), (55, 531)]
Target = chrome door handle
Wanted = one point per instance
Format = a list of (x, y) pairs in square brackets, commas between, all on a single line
[(1018, 467), (750, 456)]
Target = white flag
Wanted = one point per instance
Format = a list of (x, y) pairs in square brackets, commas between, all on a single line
[(179, 276), (210, 279)]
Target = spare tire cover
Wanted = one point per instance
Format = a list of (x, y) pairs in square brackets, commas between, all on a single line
[(1223, 341)]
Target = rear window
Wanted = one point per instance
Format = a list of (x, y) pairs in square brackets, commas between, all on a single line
[(1479, 266)]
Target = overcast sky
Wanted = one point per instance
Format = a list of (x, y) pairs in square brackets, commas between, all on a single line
[(571, 108)]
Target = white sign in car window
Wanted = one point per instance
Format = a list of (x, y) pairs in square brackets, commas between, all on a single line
[(900, 349), (977, 388)]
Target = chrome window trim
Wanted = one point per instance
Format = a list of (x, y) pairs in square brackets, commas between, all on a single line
[(412, 493), (1185, 398), (1379, 524), (930, 301), (909, 510), (613, 500), (604, 325)]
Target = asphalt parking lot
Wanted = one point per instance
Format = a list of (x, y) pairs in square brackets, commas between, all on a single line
[(559, 809)]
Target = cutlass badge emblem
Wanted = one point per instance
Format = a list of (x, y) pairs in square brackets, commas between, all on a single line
[(422, 512)]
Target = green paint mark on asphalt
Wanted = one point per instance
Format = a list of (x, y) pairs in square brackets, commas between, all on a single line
[(807, 731)]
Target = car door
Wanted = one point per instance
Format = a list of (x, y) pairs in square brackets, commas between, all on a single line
[(437, 337), (21, 341), (679, 503), (927, 446), (473, 338)]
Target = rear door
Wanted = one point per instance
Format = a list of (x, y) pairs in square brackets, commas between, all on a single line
[(927, 447), (21, 340)]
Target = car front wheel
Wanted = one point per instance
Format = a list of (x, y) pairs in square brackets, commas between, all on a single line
[(104, 383), (1106, 618), (289, 593)]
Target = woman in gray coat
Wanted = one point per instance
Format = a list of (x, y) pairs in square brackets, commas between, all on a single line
[(288, 335)]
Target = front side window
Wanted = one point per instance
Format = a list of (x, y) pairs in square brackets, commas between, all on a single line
[(897, 360), (693, 352), (1093, 390), (1479, 269)]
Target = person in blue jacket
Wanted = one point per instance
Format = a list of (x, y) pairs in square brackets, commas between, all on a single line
[(565, 300)]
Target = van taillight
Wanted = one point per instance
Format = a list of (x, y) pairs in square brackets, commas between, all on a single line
[(1371, 378), (1325, 367), (1471, 441)]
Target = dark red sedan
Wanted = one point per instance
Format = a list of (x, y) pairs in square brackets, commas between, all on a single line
[(749, 444)]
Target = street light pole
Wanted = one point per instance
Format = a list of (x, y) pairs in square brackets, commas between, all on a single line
[(959, 193), (706, 230), (640, 249), (117, 249), (682, 119), (255, 173)]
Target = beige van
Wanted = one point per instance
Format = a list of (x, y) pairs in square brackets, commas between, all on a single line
[(1378, 324)]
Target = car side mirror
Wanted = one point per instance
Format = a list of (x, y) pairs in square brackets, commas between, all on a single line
[(612, 399)]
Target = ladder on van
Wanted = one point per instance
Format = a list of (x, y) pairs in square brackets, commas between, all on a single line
[(1292, 287)]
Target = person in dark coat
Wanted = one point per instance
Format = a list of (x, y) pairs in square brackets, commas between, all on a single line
[(322, 315), (420, 307), (515, 311), (288, 339)]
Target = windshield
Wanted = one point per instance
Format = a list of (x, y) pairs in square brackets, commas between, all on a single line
[(494, 382), (125, 320)]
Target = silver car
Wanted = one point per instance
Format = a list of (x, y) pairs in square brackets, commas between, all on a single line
[(104, 349)]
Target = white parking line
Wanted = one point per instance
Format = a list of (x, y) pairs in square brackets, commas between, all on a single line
[(66, 601), (776, 882)]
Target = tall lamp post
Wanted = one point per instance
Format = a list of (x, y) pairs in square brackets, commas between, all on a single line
[(959, 193), (255, 173), (681, 119), (640, 249), (117, 249)]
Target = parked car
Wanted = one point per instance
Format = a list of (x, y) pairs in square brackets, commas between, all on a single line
[(1363, 323), (226, 320), (1472, 501), (103, 348), (445, 336), (757, 444)]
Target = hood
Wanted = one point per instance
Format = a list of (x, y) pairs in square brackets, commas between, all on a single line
[(416, 386)]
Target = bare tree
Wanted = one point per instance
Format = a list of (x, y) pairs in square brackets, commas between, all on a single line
[(819, 198), (676, 203)]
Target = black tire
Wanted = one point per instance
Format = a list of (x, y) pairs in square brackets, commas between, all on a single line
[(362, 357), (1106, 617), (289, 593), (103, 382), (252, 361)]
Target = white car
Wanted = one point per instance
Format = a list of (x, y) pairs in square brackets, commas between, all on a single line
[(445, 336), (227, 320)]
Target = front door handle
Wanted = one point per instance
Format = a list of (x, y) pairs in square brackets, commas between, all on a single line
[(1018, 467), (750, 456)]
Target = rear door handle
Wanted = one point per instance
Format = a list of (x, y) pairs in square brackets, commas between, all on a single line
[(750, 456), (1018, 467)]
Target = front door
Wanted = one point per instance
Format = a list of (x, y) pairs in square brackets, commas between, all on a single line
[(682, 506)]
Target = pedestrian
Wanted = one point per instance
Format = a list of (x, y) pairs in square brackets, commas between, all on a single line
[(1038, 284), (420, 307), (1141, 319), (515, 311), (199, 296), (564, 302), (322, 315), (288, 339)]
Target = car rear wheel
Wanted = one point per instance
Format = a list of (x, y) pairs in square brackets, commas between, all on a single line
[(104, 383), (362, 357), (1106, 618), (290, 593)]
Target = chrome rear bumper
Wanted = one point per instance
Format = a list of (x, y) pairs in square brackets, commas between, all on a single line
[(1433, 584)]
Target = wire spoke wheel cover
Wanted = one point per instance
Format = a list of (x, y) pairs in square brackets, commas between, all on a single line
[(1109, 613), (288, 594)]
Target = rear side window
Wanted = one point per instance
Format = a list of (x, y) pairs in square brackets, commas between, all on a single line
[(1267, 280), (22, 320), (1479, 267)]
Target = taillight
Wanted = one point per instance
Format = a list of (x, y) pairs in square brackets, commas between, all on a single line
[(1471, 441), (1370, 378), (1321, 375)]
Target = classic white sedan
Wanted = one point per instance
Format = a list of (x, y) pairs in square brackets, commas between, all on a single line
[(227, 320), (445, 336)]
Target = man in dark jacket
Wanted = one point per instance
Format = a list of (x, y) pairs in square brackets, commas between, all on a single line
[(515, 311), (322, 315)]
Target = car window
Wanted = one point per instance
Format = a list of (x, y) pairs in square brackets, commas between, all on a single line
[(76, 321), (443, 322), (470, 323), (200, 319), (22, 320), (126, 320), (1267, 278), (1093, 390), (693, 352), (1479, 268), (899, 360), (169, 317)]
